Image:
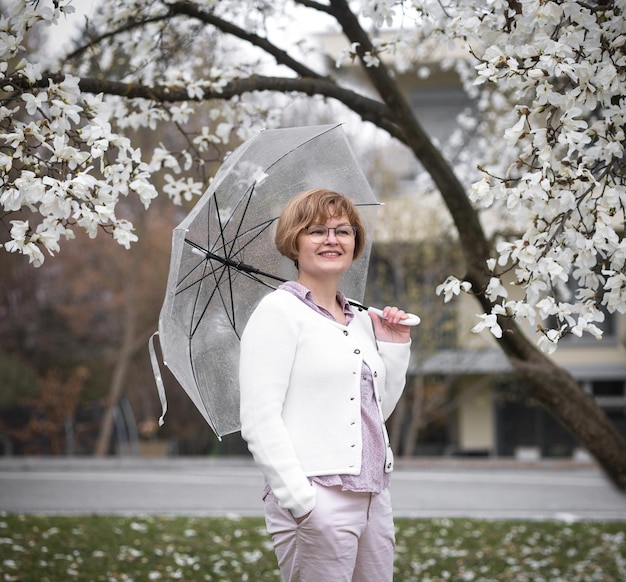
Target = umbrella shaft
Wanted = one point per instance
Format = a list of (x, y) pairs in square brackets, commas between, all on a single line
[(239, 265)]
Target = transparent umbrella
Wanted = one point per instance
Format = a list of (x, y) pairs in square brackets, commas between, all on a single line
[(224, 259)]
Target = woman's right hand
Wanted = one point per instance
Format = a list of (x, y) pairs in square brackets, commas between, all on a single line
[(299, 520)]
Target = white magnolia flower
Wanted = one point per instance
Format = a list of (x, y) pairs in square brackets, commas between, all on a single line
[(513, 134), (146, 191), (347, 55), (223, 132), (451, 287), (123, 234), (548, 341), (371, 60), (495, 289), (380, 11), (482, 192), (490, 322), (34, 102), (19, 229)]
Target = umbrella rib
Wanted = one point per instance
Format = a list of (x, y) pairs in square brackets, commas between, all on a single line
[(302, 144), (208, 302), (228, 262), (230, 314), (212, 272), (221, 237), (230, 246), (180, 289)]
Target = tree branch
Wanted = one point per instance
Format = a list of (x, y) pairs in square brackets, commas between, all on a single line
[(316, 6), (281, 56), (130, 25), (189, 9), (369, 109)]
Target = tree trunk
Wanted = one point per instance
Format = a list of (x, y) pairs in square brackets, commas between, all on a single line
[(577, 411), (116, 389), (416, 417), (124, 356)]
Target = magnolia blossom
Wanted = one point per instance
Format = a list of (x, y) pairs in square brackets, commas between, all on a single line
[(347, 55), (74, 166), (382, 12), (547, 80), (490, 322), (558, 61), (548, 341), (452, 286), (495, 289)]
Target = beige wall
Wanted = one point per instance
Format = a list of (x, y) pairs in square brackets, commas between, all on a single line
[(476, 419)]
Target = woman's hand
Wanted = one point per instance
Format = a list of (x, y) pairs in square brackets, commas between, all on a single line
[(388, 328), (300, 519)]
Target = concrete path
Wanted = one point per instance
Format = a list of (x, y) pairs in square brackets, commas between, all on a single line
[(494, 489)]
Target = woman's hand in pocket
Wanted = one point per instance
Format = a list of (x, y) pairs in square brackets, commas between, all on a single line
[(299, 520)]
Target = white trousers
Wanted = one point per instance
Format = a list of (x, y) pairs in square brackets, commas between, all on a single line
[(348, 537)]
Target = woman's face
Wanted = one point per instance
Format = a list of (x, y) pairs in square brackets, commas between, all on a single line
[(323, 254)]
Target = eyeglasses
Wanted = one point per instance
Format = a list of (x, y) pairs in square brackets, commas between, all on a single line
[(319, 232)]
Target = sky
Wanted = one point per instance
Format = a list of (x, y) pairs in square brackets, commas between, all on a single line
[(68, 27)]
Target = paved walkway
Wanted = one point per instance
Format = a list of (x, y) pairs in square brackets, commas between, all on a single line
[(483, 488)]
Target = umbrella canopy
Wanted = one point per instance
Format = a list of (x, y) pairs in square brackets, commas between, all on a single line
[(224, 259)]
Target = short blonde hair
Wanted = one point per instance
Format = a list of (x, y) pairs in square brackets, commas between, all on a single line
[(312, 207)]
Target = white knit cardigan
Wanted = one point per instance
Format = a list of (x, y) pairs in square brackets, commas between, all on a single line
[(300, 393)]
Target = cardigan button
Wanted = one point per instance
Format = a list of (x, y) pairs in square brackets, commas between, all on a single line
[(375, 374), (345, 332), (388, 465), (357, 351)]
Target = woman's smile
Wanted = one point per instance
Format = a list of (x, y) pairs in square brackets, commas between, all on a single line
[(326, 254)]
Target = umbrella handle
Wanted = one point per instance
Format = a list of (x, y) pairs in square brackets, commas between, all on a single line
[(411, 319)]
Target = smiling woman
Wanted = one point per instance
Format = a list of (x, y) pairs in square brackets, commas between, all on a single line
[(318, 380), (322, 232)]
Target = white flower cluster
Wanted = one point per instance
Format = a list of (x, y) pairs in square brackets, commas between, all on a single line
[(65, 162), (59, 158), (381, 12), (560, 69)]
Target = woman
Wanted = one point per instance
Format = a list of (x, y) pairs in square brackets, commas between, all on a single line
[(318, 379)]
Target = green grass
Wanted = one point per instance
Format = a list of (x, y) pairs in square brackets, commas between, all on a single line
[(114, 548)]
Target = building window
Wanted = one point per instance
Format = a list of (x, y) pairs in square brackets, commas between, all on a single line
[(610, 395)]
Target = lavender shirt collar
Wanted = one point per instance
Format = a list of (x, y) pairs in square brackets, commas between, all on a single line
[(305, 295)]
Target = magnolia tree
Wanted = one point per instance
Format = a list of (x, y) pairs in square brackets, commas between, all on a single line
[(549, 79)]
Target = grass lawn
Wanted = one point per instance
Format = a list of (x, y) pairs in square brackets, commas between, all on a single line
[(114, 548)]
